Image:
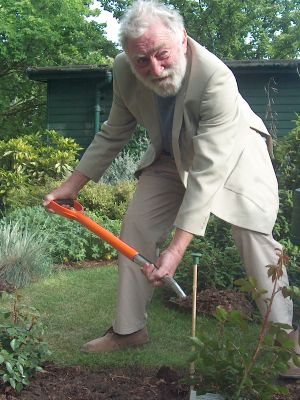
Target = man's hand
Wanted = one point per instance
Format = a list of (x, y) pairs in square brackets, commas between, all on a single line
[(69, 189), (61, 192), (166, 264), (169, 259)]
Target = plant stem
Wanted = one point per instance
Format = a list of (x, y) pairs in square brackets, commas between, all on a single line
[(15, 312), (261, 337)]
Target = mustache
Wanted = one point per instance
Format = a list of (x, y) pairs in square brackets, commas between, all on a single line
[(165, 74)]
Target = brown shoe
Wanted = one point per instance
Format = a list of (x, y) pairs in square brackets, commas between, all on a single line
[(112, 341), (292, 373)]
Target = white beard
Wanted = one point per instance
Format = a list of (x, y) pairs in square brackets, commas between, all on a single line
[(172, 82)]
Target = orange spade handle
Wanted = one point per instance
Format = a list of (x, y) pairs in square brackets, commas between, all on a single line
[(77, 213)]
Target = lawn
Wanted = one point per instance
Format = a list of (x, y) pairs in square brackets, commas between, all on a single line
[(77, 306)]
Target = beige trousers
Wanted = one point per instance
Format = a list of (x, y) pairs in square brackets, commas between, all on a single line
[(146, 225)]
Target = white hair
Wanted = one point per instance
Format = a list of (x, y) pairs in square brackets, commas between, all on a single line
[(144, 13)]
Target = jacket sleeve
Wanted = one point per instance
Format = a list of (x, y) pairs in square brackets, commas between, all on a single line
[(216, 144), (114, 133)]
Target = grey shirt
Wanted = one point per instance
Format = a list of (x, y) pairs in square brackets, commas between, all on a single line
[(166, 106)]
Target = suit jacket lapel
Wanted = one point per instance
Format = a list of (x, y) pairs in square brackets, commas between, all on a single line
[(177, 120)]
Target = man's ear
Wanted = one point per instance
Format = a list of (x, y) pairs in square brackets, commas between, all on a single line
[(184, 41)]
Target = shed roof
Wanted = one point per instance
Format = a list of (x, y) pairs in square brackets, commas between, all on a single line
[(45, 74), (264, 66)]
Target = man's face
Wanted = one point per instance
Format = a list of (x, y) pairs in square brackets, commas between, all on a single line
[(158, 59)]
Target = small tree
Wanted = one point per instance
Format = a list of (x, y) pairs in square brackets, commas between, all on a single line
[(225, 368)]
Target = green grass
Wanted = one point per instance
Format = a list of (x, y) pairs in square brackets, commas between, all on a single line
[(78, 306)]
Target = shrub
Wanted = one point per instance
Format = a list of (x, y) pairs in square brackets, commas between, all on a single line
[(293, 253), (222, 359), (33, 158), (217, 268), (23, 254), (121, 169), (226, 367), (22, 350), (287, 164), (283, 223), (67, 240), (138, 143), (25, 195), (220, 263), (38, 155), (125, 164), (9, 180), (110, 201), (287, 159)]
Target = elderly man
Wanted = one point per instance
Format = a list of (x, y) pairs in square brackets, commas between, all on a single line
[(208, 154)]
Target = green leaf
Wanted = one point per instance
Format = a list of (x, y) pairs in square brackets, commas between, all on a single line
[(282, 390), (292, 291), (19, 387), (221, 314), (269, 340), (25, 381), (9, 367), (197, 341), (296, 360), (236, 316), (252, 281), (287, 344), (14, 344), (12, 383), (20, 368)]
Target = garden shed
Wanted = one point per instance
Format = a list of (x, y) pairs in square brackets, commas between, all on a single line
[(272, 88), (79, 97)]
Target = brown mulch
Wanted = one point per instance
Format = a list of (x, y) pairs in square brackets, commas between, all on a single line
[(208, 300), (80, 383), (71, 265)]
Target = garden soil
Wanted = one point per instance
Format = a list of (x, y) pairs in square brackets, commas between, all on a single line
[(165, 383), (78, 383)]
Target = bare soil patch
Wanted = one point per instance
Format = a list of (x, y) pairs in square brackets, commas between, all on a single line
[(79, 383)]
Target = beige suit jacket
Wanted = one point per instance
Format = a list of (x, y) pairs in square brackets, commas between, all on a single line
[(221, 159)]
